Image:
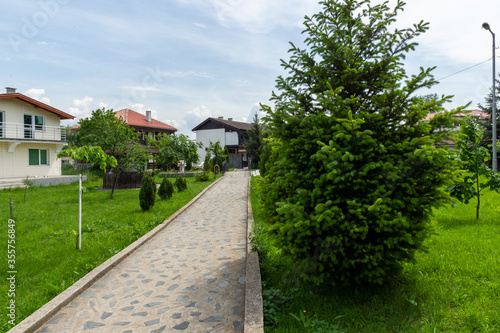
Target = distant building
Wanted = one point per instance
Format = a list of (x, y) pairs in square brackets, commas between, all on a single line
[(144, 125), (31, 136), (478, 114), (231, 134)]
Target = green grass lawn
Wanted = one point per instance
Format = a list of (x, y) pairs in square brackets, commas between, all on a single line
[(47, 261), (453, 287)]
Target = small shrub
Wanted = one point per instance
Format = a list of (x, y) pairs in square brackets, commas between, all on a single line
[(273, 302), (166, 189), (147, 194), (181, 184), (203, 176)]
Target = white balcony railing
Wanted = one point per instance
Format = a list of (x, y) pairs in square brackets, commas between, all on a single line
[(32, 132)]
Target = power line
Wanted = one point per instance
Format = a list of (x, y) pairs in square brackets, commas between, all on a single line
[(463, 70)]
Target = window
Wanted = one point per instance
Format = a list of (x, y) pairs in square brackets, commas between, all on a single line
[(38, 157), (39, 123), (33, 123)]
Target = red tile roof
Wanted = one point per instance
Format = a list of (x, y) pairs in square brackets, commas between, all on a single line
[(476, 113), (38, 104), (133, 118)]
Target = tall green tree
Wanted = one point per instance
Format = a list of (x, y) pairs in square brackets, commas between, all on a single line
[(487, 124), (476, 175), (174, 148), (353, 174), (255, 143), (116, 138)]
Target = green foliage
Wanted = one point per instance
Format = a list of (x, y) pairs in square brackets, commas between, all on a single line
[(473, 157), (166, 189), (312, 325), (180, 183), (226, 154), (217, 154), (174, 148), (116, 138), (92, 154), (353, 175), (451, 287), (255, 142), (273, 301), (207, 164), (204, 176), (487, 107), (147, 194)]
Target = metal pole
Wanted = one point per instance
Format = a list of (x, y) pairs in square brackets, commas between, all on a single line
[(80, 214), (494, 111)]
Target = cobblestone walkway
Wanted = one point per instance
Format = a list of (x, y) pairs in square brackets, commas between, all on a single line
[(188, 278)]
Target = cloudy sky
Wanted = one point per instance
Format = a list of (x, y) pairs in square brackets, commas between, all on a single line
[(186, 60)]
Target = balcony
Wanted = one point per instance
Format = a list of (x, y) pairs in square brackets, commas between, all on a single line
[(16, 131)]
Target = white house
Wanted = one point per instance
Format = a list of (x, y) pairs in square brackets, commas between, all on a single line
[(231, 134), (30, 136)]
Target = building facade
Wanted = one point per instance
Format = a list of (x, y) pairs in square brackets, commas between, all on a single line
[(231, 134), (31, 136)]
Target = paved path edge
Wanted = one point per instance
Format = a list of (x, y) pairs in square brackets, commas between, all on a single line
[(254, 313), (34, 321)]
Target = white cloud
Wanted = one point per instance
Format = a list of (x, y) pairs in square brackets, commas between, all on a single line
[(81, 107), (38, 95), (259, 16)]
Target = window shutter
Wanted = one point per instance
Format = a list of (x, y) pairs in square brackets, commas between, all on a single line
[(33, 157)]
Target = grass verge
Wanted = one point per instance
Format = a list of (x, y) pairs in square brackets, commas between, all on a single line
[(453, 287), (47, 261)]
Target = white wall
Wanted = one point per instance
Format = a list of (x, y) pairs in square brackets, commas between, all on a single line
[(207, 136), (14, 111), (232, 139)]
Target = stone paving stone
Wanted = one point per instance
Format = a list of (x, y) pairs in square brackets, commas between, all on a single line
[(189, 277)]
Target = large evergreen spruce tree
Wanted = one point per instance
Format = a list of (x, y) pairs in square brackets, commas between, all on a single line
[(353, 173)]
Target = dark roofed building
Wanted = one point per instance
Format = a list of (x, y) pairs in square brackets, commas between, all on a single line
[(231, 134)]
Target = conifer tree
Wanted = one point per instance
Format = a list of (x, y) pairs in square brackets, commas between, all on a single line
[(353, 173)]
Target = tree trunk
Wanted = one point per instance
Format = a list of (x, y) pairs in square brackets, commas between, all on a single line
[(114, 184), (478, 197)]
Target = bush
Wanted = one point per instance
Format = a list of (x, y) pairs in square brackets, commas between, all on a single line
[(166, 189), (353, 176), (147, 194), (203, 176), (181, 184)]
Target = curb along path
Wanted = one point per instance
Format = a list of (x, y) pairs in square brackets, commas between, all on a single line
[(190, 277)]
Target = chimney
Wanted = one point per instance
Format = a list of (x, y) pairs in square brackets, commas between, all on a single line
[(221, 117), (148, 116), (230, 119), (10, 90)]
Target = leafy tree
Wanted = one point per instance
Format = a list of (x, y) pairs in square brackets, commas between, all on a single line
[(255, 143), (353, 174), (488, 108), (217, 153), (93, 155), (147, 194), (174, 148), (473, 157), (166, 189), (116, 139)]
